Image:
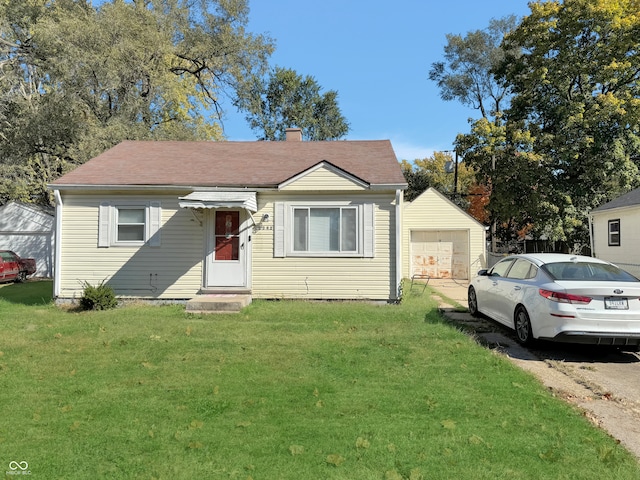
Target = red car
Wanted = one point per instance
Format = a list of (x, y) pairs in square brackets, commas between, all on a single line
[(15, 269)]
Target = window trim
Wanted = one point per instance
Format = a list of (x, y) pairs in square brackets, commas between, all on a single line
[(108, 224), (283, 242), (117, 223), (531, 272), (325, 253), (508, 261), (611, 233)]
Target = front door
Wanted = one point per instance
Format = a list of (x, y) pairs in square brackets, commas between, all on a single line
[(227, 252)]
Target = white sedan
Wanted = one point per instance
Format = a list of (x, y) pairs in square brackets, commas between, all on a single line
[(565, 298)]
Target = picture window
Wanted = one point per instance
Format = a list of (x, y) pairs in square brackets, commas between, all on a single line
[(324, 230)]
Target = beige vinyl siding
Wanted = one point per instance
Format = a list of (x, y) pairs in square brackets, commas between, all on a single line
[(172, 270), (326, 277), (323, 179), (627, 252), (432, 212)]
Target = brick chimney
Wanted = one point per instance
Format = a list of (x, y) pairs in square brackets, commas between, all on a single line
[(293, 134)]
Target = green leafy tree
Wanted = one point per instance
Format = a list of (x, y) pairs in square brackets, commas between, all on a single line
[(77, 79), (417, 180), (576, 86), (284, 100), (516, 177), (466, 74), (438, 171)]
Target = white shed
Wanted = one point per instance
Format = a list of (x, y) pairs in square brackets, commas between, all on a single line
[(440, 239), (28, 230)]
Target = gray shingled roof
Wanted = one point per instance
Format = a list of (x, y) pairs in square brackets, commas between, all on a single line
[(232, 164), (627, 200)]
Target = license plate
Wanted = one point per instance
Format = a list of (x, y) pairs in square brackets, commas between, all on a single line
[(616, 303)]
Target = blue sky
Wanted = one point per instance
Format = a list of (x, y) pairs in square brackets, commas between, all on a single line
[(377, 55)]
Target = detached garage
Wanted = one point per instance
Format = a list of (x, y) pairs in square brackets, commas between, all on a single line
[(440, 239), (28, 230)]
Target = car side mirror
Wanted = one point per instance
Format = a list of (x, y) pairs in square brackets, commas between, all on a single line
[(483, 273)]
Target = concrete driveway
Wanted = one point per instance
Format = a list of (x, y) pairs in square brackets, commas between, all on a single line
[(604, 384)]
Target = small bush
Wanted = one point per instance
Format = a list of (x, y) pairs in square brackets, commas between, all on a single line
[(99, 297)]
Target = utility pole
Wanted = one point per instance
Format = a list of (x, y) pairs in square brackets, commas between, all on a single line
[(493, 222), (448, 168)]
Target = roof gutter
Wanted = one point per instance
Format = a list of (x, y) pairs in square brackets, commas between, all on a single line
[(177, 188), (389, 186), (180, 188)]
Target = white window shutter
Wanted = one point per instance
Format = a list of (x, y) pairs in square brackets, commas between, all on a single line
[(368, 223), (278, 230), (104, 225), (155, 219)]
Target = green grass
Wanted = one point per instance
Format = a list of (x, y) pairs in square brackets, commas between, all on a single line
[(283, 390)]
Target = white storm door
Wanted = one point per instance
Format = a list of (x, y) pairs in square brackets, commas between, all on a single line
[(227, 249)]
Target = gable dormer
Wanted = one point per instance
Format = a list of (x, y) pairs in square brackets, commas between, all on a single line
[(324, 176)]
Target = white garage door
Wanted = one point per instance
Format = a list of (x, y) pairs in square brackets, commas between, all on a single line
[(440, 253)]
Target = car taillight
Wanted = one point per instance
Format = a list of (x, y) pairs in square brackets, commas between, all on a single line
[(564, 297)]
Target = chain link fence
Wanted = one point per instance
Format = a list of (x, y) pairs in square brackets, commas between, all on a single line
[(493, 258)]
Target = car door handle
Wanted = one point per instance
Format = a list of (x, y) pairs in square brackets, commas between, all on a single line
[(517, 287)]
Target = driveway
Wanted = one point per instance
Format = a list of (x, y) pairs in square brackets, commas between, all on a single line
[(604, 384)]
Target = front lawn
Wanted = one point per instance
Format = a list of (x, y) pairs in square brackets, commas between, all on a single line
[(283, 390)]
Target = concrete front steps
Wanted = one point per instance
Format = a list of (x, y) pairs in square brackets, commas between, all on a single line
[(218, 303)]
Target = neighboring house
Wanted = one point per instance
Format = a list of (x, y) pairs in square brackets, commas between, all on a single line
[(292, 219), (27, 229), (615, 231), (440, 239)]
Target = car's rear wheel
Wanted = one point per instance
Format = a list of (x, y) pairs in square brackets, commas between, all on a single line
[(21, 277), (522, 326), (472, 300)]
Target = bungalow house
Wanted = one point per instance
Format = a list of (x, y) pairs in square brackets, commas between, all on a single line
[(169, 220), (615, 231), (27, 229), (440, 239)]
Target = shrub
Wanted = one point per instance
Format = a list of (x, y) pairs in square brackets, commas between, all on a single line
[(99, 297)]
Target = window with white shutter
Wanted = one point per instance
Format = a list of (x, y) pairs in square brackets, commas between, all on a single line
[(129, 224), (324, 230)]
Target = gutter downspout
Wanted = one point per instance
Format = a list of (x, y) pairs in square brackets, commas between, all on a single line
[(593, 252), (58, 244), (399, 240)]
